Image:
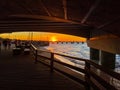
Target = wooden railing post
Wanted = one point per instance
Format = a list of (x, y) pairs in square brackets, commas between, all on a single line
[(36, 54), (51, 62), (87, 75)]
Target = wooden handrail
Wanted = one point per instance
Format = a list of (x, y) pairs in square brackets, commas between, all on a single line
[(33, 47), (102, 81), (71, 66), (107, 71), (110, 72), (87, 71)]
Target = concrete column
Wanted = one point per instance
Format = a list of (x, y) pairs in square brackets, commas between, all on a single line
[(107, 59), (94, 55)]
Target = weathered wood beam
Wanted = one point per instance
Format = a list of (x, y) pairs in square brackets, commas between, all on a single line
[(65, 9), (93, 7), (24, 7), (45, 8), (55, 19), (109, 23), (100, 31)]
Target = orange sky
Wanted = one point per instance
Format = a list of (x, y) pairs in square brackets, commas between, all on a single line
[(41, 36)]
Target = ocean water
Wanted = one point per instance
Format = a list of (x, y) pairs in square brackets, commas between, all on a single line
[(72, 49), (80, 50)]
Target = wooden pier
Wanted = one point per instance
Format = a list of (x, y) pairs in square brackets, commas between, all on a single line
[(36, 71), (19, 72)]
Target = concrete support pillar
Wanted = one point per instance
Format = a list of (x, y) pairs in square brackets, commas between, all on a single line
[(107, 59), (94, 55)]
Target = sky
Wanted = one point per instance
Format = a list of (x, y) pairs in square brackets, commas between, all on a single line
[(43, 36)]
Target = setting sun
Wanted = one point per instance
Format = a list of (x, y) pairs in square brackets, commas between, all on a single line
[(53, 39), (42, 36)]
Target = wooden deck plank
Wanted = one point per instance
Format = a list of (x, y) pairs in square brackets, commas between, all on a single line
[(19, 72)]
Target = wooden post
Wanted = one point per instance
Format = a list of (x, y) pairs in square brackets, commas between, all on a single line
[(36, 52), (87, 75), (51, 62)]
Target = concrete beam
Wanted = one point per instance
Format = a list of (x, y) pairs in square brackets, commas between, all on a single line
[(105, 43), (94, 55), (107, 60)]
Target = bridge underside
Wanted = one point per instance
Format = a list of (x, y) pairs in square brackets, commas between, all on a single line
[(85, 18), (16, 24), (78, 17)]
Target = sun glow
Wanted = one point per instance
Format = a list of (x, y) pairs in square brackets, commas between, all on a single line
[(42, 36), (53, 39)]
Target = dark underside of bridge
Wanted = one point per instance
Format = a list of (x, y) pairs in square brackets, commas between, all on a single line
[(76, 17), (96, 20)]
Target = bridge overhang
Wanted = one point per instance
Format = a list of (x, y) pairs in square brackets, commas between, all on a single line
[(85, 18), (16, 23)]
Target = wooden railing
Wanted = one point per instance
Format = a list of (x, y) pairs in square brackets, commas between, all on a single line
[(91, 75)]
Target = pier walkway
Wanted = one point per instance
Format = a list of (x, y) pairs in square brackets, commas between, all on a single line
[(19, 72)]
